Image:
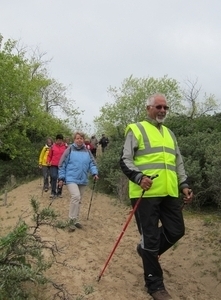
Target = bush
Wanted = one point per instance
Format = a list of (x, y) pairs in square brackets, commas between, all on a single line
[(22, 260), (112, 180)]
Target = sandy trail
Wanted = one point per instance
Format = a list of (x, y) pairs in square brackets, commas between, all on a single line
[(191, 268)]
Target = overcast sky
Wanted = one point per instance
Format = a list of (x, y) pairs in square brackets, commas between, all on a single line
[(95, 44)]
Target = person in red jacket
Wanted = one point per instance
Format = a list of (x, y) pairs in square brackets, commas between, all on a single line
[(88, 145), (54, 156)]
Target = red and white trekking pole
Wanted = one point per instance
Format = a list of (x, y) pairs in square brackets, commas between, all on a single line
[(123, 231)]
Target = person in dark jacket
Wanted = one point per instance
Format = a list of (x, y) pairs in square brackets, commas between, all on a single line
[(74, 166), (151, 150), (103, 142)]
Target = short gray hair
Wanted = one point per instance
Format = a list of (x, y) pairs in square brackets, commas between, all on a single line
[(151, 99), (79, 133)]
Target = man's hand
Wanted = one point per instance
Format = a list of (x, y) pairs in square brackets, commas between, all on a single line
[(146, 183), (188, 195)]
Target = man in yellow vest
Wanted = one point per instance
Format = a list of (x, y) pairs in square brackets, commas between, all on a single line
[(150, 149)]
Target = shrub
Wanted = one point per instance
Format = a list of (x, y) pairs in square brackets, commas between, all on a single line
[(22, 260)]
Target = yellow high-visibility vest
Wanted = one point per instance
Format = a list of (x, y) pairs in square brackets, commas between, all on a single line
[(155, 155)]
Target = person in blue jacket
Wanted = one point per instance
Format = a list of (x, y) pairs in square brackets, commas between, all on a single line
[(74, 166)]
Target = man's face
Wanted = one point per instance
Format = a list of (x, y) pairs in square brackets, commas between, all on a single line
[(158, 110)]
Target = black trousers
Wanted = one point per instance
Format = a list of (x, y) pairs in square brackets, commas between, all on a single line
[(54, 178), (156, 239), (46, 174), (94, 152)]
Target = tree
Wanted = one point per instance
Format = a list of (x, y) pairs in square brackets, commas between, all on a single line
[(197, 107), (24, 123), (54, 100), (129, 102)]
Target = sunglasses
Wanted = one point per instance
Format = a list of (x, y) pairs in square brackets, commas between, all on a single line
[(165, 107)]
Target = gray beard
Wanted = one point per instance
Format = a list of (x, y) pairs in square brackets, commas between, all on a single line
[(160, 120)]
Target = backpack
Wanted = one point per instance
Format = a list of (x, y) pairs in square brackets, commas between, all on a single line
[(68, 154)]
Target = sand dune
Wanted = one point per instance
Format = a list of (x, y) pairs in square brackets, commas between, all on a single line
[(191, 268)]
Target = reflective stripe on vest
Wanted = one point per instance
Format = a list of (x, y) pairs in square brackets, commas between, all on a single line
[(155, 155)]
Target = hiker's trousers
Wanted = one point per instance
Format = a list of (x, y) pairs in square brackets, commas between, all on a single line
[(157, 238), (76, 191), (46, 174), (54, 179)]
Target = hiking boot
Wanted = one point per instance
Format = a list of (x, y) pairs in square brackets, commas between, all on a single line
[(161, 295), (72, 226), (46, 190), (139, 250), (59, 196), (52, 196), (78, 225)]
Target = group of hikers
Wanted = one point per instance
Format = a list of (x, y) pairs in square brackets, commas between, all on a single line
[(63, 162), (152, 161), (93, 143)]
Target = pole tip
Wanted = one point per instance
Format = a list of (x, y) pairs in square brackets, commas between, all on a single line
[(98, 278)]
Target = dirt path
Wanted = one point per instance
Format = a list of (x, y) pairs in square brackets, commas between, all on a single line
[(192, 269)]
